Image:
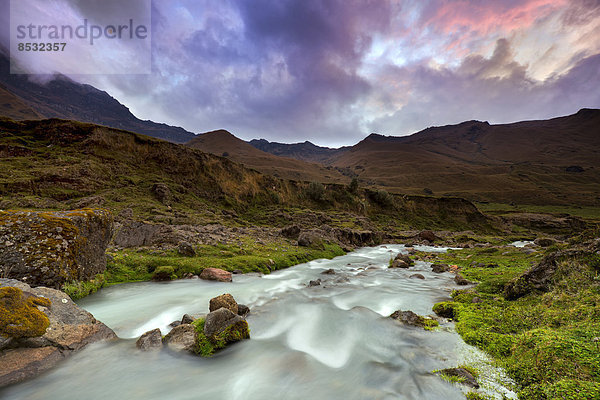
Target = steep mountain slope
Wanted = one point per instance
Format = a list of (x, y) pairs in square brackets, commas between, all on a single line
[(534, 162), (306, 151), (12, 106), (223, 143), (67, 99)]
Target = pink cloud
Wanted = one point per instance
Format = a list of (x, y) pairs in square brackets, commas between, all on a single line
[(483, 18)]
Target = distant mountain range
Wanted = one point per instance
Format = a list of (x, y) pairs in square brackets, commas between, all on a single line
[(306, 151), (22, 98), (225, 144)]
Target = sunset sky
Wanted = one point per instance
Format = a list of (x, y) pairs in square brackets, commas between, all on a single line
[(333, 71)]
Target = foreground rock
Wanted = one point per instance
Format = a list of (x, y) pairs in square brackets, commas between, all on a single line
[(69, 330), (460, 375), (216, 274), (51, 248)]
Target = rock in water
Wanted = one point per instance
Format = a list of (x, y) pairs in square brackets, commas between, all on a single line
[(417, 276), (182, 337), (221, 327), (439, 268), (412, 319), (216, 274), (226, 301), (243, 310), (402, 261), (70, 329), (151, 340), (51, 248), (219, 320)]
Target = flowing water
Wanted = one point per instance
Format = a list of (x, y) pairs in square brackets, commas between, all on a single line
[(326, 342)]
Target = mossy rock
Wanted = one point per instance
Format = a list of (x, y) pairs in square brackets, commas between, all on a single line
[(164, 273), (19, 315), (445, 309), (206, 346)]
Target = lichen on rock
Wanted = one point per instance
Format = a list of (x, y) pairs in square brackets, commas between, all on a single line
[(19, 314), (51, 248)]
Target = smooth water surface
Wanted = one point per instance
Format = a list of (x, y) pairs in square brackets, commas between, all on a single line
[(326, 342)]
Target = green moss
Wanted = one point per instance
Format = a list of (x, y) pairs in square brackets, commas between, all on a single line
[(547, 343), (207, 346), (79, 289), (445, 309), (164, 273), (564, 389), (250, 256), (19, 315), (477, 396)]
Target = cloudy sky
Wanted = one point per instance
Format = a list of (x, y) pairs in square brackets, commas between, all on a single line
[(332, 71)]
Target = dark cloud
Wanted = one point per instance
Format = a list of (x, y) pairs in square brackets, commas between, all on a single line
[(295, 70)]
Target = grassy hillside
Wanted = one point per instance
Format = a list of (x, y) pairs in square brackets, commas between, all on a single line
[(56, 164)]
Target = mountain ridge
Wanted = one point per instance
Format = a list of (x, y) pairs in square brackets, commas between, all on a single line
[(63, 98)]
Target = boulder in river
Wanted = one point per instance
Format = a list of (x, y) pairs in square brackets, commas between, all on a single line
[(402, 261), (182, 337), (53, 247), (417, 276), (216, 274), (28, 351), (412, 319), (439, 268), (187, 319), (151, 340), (219, 329), (243, 310), (226, 301)]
